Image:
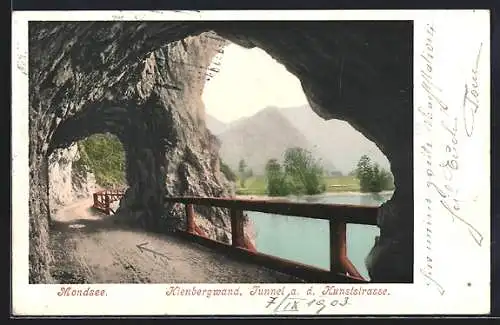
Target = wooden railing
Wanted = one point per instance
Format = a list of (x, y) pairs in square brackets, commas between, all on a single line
[(341, 268), (103, 200)]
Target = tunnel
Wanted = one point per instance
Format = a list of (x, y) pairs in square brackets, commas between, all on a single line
[(143, 82)]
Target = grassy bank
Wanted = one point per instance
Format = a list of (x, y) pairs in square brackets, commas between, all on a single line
[(257, 185), (104, 156)]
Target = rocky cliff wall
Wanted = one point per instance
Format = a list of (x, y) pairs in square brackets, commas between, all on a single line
[(68, 179), (172, 153)]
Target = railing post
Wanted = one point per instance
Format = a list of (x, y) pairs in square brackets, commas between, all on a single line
[(237, 228), (95, 199), (190, 218), (106, 204), (337, 246)]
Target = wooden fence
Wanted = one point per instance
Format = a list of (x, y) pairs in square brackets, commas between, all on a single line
[(103, 200), (341, 268)]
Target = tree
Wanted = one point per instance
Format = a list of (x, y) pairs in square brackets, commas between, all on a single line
[(305, 172), (371, 177), (276, 179), (242, 166), (386, 179), (364, 173), (242, 170)]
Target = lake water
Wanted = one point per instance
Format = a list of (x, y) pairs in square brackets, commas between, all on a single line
[(307, 240)]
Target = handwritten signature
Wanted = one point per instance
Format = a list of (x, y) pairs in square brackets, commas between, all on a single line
[(449, 196), (452, 204), (450, 125), (296, 304), (470, 104)]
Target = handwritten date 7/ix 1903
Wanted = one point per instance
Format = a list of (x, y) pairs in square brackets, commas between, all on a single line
[(297, 304)]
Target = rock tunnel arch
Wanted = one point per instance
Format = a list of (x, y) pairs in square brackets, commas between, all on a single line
[(138, 134), (360, 72), (84, 167), (262, 89)]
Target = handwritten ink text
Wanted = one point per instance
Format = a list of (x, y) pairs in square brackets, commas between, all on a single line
[(297, 304)]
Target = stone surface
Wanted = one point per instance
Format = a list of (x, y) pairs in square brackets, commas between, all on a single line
[(89, 77), (68, 181)]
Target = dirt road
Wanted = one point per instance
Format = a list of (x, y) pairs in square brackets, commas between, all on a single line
[(90, 247)]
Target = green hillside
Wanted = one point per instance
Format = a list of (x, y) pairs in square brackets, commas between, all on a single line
[(103, 155), (257, 185)]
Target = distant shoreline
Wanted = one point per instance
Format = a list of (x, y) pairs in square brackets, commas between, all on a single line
[(259, 196)]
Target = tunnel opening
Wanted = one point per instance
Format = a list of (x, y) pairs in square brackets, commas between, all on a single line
[(264, 91), (264, 121), (105, 156), (90, 165), (315, 55)]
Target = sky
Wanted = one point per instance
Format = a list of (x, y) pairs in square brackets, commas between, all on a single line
[(248, 81)]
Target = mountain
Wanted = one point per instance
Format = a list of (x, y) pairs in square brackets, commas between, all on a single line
[(336, 140), (214, 125), (263, 136)]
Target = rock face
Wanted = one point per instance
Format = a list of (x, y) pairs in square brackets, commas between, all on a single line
[(68, 181), (171, 152), (141, 81)]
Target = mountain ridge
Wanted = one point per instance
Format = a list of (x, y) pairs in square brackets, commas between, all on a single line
[(258, 138), (336, 139), (215, 125), (336, 142)]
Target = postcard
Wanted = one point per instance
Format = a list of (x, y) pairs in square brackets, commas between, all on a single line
[(317, 162)]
